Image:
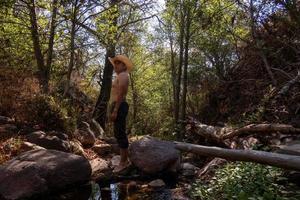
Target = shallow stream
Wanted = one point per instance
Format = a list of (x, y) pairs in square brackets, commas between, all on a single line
[(113, 191)]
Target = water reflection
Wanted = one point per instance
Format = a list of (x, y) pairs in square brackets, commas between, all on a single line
[(120, 191), (113, 191), (96, 192)]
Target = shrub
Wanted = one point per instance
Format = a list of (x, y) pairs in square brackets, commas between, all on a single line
[(53, 113), (241, 181)]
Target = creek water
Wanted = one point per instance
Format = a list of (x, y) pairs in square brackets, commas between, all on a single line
[(112, 191), (121, 191)]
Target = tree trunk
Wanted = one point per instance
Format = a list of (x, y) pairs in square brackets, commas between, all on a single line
[(173, 75), (37, 48), (268, 68), (179, 71), (72, 48), (185, 66), (100, 111), (267, 158), (50, 44)]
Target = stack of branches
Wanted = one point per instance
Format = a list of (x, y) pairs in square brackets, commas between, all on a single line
[(224, 136)]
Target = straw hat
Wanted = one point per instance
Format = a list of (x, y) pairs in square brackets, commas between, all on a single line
[(123, 59)]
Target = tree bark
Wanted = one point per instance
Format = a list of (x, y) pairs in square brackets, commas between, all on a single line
[(37, 48), (267, 158), (50, 44), (72, 47), (261, 128), (179, 70), (268, 68), (221, 133), (185, 65), (100, 111), (173, 72)]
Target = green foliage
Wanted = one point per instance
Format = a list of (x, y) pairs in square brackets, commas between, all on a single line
[(15, 40), (242, 181), (53, 113)]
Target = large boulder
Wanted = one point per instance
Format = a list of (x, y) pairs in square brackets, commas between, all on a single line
[(8, 131), (40, 171), (48, 141), (151, 155), (86, 138)]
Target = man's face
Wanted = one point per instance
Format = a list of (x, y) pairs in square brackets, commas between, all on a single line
[(119, 66)]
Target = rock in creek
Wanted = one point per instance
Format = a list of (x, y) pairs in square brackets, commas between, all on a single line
[(157, 184), (49, 142), (38, 171), (102, 149), (151, 155), (87, 138), (100, 169)]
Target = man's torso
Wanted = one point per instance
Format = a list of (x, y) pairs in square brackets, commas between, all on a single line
[(115, 87)]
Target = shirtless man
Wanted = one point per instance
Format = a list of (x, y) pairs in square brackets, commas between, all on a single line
[(119, 108)]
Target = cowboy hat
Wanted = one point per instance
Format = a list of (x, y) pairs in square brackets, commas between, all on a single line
[(123, 59)]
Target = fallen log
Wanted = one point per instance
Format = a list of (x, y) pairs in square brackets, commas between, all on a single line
[(221, 133), (274, 159), (266, 128)]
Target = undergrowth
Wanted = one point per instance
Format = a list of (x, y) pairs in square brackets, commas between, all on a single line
[(244, 181), (53, 113)]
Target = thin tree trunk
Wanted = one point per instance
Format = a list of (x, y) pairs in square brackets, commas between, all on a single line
[(50, 45), (178, 84), (173, 74), (36, 47), (72, 48), (268, 68), (185, 65)]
